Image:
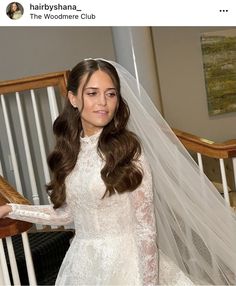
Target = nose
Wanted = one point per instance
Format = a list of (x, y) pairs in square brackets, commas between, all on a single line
[(102, 99)]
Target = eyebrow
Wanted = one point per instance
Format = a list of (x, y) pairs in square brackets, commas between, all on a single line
[(90, 87)]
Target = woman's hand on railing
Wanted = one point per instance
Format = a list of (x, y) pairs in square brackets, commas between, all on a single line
[(5, 210)]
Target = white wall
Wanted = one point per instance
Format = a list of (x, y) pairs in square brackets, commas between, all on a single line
[(180, 68), (33, 50)]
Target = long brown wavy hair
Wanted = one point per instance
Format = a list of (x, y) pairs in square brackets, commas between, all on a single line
[(119, 146)]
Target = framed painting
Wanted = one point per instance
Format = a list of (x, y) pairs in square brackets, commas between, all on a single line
[(219, 64)]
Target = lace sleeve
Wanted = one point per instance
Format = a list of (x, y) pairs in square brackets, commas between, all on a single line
[(41, 214), (145, 227)]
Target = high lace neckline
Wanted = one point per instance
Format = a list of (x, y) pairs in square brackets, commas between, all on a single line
[(90, 139)]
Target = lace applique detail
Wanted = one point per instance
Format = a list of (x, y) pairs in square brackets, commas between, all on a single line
[(145, 227), (43, 214), (90, 141)]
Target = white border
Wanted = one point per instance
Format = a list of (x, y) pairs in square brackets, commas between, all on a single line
[(129, 13)]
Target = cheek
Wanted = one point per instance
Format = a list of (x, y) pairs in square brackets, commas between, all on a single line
[(114, 105), (87, 105)]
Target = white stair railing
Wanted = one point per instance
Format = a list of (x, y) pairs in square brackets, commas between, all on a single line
[(217, 151), (14, 112)]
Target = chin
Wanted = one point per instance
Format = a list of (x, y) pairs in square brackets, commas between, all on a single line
[(102, 123)]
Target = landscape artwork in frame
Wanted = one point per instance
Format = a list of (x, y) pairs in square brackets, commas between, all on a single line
[(219, 63)]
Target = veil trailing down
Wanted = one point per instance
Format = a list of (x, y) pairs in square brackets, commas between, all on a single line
[(195, 228)]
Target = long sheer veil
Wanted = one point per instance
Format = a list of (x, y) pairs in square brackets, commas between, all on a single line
[(195, 227)]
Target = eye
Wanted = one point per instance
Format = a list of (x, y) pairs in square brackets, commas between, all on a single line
[(92, 93), (111, 94)]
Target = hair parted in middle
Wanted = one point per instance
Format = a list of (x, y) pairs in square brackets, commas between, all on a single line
[(119, 147)]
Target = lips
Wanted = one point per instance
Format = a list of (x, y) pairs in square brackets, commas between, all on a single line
[(101, 111)]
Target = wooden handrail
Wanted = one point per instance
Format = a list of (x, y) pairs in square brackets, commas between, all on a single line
[(206, 147), (10, 227), (33, 82)]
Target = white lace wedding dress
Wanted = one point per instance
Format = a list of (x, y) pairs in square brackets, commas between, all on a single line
[(115, 236)]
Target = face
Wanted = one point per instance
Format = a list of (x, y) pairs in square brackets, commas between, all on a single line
[(98, 102), (14, 7)]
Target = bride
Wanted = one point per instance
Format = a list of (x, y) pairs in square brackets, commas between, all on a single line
[(144, 213)]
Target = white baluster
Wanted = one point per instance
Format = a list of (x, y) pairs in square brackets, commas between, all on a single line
[(1, 275), (234, 170), (52, 103), (12, 258), (11, 146), (6, 277), (199, 159), (40, 138), (53, 110), (27, 152), (1, 172), (202, 180), (28, 259), (224, 181)]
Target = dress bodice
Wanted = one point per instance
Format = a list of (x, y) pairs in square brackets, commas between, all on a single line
[(95, 216)]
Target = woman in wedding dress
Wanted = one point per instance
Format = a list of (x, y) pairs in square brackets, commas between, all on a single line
[(102, 181)]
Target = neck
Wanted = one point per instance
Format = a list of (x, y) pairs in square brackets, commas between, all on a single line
[(89, 132)]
